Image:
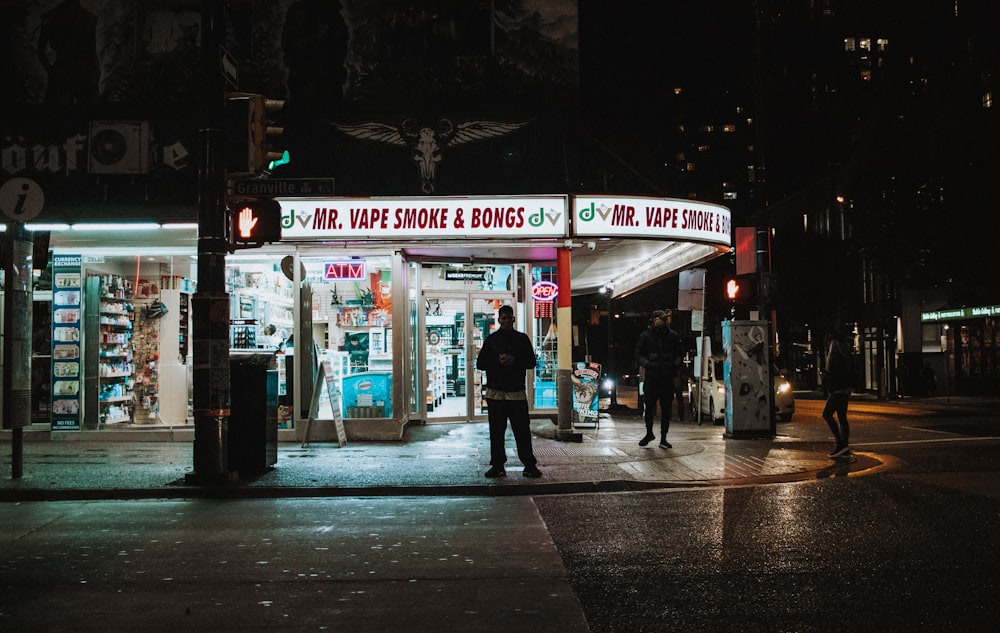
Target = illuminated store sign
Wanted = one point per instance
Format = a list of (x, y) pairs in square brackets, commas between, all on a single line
[(423, 218), (959, 314), (658, 218), (544, 291), (349, 270)]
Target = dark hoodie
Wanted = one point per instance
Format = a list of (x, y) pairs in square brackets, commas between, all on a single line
[(512, 377), (658, 351)]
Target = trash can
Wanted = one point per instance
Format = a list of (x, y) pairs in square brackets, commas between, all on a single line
[(253, 412)]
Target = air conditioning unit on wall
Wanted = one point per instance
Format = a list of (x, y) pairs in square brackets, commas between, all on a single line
[(119, 147)]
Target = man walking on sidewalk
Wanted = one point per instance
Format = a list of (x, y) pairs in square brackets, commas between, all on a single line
[(658, 351)]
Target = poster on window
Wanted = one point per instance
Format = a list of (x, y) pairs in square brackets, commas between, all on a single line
[(66, 297)]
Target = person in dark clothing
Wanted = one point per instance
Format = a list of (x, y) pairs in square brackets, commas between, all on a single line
[(837, 382), (658, 351), (506, 356)]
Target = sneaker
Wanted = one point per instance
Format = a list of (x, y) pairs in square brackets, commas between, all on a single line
[(843, 451), (532, 471), (665, 444), (496, 471), (646, 440)]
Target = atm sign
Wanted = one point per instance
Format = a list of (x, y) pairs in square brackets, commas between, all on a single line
[(350, 270), (544, 291)]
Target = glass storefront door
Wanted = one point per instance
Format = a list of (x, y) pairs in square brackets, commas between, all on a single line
[(454, 325)]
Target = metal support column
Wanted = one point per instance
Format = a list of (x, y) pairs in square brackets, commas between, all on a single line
[(564, 354)]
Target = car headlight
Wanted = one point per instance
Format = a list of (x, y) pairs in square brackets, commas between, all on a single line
[(608, 384), (784, 386)]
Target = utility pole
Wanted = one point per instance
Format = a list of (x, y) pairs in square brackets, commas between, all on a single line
[(763, 231), (210, 304), (17, 293)]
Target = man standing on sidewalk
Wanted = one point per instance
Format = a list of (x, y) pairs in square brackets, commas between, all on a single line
[(506, 356), (658, 351)]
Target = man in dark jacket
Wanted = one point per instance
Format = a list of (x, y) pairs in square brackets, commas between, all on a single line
[(505, 357), (658, 351)]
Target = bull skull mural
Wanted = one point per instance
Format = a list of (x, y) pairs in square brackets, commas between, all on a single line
[(427, 144)]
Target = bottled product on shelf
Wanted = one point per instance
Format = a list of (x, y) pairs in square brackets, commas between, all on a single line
[(109, 303)]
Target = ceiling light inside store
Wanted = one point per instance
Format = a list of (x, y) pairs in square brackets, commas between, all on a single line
[(42, 227), (116, 226)]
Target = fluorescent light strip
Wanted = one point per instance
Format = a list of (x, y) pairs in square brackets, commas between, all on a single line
[(46, 227), (116, 226)]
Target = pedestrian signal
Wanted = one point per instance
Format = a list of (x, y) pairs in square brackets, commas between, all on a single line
[(732, 289), (253, 223)]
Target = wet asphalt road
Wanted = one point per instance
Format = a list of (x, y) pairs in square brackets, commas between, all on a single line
[(880, 553), (912, 548)]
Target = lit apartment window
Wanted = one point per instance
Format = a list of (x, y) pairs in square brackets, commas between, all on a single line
[(690, 167), (987, 99), (728, 195), (866, 75), (680, 127), (729, 127), (865, 44), (680, 157), (677, 90), (882, 44), (848, 43), (708, 127), (704, 148)]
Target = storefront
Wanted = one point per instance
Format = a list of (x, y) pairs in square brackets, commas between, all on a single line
[(393, 298), (962, 350)]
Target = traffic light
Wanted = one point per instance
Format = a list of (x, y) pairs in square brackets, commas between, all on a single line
[(254, 222), (254, 141)]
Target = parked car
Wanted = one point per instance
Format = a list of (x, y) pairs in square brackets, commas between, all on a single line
[(710, 389), (784, 397)]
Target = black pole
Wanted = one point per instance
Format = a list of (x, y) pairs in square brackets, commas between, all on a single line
[(210, 304), (17, 317)]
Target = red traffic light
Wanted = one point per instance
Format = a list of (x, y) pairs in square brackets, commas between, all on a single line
[(254, 223)]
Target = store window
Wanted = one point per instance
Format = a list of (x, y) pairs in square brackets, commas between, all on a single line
[(544, 291), (351, 316), (349, 319)]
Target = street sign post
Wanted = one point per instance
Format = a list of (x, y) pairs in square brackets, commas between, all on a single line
[(283, 187)]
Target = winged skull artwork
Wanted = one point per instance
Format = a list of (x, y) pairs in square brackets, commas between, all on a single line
[(427, 144)]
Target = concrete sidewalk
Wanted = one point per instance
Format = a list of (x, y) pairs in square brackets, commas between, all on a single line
[(441, 459)]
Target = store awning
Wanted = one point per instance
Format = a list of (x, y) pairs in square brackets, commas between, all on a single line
[(619, 244)]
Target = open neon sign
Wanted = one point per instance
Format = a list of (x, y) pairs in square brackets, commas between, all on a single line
[(350, 270), (544, 291)]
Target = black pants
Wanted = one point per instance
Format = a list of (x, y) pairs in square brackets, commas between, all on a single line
[(499, 411), (837, 403), (662, 392), (679, 396)]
